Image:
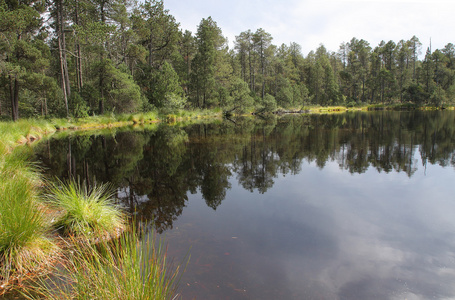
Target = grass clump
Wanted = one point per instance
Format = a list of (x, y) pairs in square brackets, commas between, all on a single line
[(134, 266), (24, 245), (141, 118), (85, 210), (24, 131)]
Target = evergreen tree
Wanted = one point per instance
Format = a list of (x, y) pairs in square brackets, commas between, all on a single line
[(209, 43), (24, 56)]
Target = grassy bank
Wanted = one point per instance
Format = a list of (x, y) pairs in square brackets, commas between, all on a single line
[(29, 130), (43, 223), (40, 220), (25, 242)]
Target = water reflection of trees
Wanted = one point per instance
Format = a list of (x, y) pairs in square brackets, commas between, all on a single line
[(154, 171)]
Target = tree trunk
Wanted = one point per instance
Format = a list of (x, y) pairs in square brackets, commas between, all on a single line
[(101, 79), (62, 71), (45, 107), (101, 102), (80, 83), (250, 70), (150, 48), (78, 52), (62, 54), (13, 91), (262, 70), (65, 67)]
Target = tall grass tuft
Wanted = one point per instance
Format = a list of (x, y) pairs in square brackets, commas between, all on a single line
[(23, 131), (85, 210), (23, 227), (125, 268)]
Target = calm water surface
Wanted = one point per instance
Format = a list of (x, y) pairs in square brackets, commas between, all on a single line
[(351, 206)]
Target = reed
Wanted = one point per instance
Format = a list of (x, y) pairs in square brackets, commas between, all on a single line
[(134, 266), (85, 210)]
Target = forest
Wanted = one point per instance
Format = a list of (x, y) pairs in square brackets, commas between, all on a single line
[(79, 58)]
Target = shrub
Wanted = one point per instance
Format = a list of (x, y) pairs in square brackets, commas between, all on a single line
[(86, 210)]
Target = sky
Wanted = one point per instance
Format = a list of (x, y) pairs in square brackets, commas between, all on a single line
[(311, 23)]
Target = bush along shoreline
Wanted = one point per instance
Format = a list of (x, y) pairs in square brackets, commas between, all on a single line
[(71, 231)]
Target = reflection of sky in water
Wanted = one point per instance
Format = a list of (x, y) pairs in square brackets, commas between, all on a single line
[(324, 234)]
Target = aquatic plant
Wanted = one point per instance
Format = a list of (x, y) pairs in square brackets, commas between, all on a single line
[(85, 210), (125, 268)]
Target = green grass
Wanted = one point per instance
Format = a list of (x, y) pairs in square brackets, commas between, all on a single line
[(85, 210), (22, 131), (27, 242), (23, 236), (125, 268), (141, 118), (29, 130)]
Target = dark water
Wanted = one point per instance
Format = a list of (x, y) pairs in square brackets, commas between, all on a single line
[(350, 206)]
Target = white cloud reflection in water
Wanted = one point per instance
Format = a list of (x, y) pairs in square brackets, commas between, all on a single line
[(325, 234)]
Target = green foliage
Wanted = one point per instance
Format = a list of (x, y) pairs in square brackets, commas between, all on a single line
[(166, 89), (240, 96), (209, 42), (438, 97), (123, 94), (134, 266), (285, 95), (24, 56), (157, 31), (173, 103), (416, 94), (86, 210), (91, 95), (269, 103), (78, 106), (132, 57), (23, 242)]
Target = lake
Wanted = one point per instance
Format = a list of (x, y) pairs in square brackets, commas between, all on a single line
[(357, 205)]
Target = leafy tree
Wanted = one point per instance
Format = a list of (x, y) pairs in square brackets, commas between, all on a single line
[(24, 57), (427, 72), (261, 45), (187, 50), (415, 46), (269, 103), (239, 95), (157, 31), (416, 93), (60, 25), (122, 93), (404, 73), (166, 89), (285, 94), (357, 66), (209, 43)]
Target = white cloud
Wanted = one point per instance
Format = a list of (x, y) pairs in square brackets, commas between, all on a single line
[(330, 22)]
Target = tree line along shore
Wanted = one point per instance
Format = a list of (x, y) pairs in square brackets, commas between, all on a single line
[(65, 58)]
